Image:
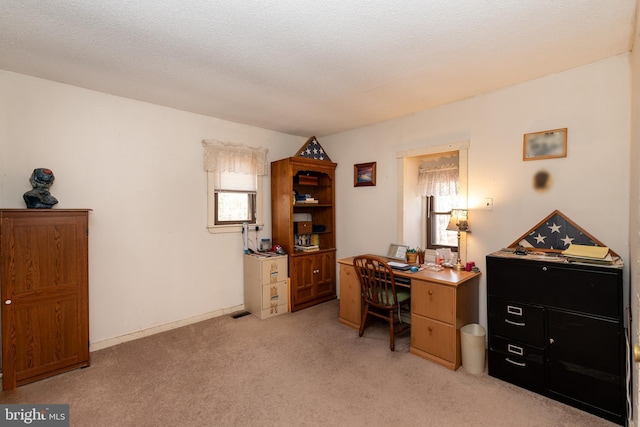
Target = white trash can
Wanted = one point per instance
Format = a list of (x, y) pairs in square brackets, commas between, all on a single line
[(473, 348)]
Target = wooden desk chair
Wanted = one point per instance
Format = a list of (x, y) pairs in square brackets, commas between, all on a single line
[(378, 286)]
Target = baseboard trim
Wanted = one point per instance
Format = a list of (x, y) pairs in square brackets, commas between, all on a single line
[(95, 346)]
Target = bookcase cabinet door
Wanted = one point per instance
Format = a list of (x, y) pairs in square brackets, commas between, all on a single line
[(313, 278)]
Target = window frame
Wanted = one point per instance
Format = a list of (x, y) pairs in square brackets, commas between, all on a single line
[(232, 227), (251, 195), (430, 224)]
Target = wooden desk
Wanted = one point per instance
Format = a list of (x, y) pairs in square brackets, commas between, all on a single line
[(441, 303)]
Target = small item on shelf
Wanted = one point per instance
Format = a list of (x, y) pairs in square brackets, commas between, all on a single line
[(307, 248), (307, 180), (302, 199), (318, 228), (302, 227)]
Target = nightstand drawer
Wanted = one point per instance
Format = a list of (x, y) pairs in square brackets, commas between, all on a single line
[(436, 338), (433, 301), (275, 293)]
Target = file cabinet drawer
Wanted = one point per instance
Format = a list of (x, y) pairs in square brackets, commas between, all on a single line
[(516, 350), (274, 270), (275, 293), (433, 301), (522, 322), (436, 338), (526, 372), (578, 288)]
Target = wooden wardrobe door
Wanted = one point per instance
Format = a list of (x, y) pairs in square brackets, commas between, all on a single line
[(44, 278)]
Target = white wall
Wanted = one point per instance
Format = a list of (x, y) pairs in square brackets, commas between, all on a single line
[(139, 167), (590, 185)]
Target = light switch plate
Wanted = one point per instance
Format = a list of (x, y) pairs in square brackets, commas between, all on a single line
[(487, 204)]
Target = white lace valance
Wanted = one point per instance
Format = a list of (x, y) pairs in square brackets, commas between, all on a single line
[(440, 181), (236, 158)]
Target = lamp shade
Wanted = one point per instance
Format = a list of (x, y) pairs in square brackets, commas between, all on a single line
[(459, 220)]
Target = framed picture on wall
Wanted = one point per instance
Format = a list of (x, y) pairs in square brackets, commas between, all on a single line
[(548, 144), (364, 174)]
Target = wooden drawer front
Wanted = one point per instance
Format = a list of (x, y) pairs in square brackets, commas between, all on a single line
[(526, 371), (302, 227), (274, 270), (435, 338), (274, 294), (433, 300), (521, 322), (350, 296)]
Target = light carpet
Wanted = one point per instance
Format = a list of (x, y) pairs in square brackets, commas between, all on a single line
[(296, 369)]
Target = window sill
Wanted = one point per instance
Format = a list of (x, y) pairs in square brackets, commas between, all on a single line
[(234, 228)]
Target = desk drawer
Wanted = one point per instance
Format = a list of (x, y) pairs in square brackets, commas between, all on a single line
[(433, 301), (436, 338)]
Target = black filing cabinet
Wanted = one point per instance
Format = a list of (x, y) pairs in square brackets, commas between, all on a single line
[(558, 329)]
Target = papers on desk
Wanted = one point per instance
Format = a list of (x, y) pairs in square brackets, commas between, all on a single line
[(399, 265), (588, 254)]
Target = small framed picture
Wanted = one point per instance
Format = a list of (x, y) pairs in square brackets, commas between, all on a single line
[(549, 144), (364, 174), (398, 252)]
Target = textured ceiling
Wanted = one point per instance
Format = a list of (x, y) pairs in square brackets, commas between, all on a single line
[(307, 67)]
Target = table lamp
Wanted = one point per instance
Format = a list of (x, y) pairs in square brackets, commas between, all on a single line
[(459, 222)]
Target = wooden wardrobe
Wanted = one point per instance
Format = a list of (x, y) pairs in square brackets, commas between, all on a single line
[(44, 290)]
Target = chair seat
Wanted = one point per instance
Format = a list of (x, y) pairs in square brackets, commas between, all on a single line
[(403, 295)]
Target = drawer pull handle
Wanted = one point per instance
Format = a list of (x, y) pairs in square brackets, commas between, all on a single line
[(544, 268), (515, 349), (521, 364), (430, 292), (511, 322), (517, 311)]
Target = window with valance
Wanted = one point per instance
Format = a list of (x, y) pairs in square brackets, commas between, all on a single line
[(438, 184), (234, 183)]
